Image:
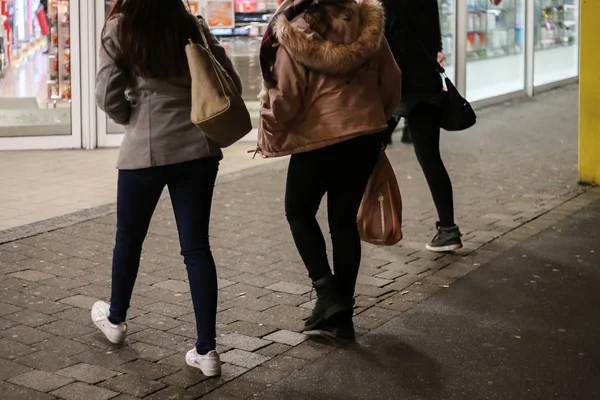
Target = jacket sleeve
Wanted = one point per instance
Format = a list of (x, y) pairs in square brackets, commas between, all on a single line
[(390, 80), (221, 55), (112, 79), (284, 102)]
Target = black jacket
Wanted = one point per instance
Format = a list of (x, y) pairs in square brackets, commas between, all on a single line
[(413, 32)]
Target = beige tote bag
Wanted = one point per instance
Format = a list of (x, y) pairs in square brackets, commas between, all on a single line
[(217, 105), (380, 213)]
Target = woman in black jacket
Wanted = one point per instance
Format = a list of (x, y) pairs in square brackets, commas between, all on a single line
[(413, 32)]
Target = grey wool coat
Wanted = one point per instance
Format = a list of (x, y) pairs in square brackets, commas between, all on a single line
[(155, 112)]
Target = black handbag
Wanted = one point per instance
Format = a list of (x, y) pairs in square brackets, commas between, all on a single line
[(457, 114)]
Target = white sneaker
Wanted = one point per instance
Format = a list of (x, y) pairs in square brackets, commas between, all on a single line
[(114, 333), (210, 364)]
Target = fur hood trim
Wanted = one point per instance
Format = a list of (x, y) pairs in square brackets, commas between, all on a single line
[(329, 57)]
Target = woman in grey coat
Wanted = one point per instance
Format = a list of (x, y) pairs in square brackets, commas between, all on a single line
[(144, 83)]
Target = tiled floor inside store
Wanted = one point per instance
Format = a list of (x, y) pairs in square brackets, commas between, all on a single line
[(27, 78)]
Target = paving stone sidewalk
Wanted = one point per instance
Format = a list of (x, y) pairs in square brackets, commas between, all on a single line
[(514, 173)]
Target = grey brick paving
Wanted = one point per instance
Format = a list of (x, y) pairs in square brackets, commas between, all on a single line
[(243, 358), (9, 391), (31, 275), (147, 370), (46, 360), (151, 353), (132, 385), (62, 346), (242, 342), (517, 165), (6, 309), (291, 288), (10, 349), (87, 373), (249, 328), (82, 391), (105, 358), (24, 334), (184, 379), (172, 393), (287, 337), (41, 381), (273, 350), (30, 318), (9, 369)]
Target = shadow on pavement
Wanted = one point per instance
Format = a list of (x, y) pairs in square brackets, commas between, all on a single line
[(525, 326)]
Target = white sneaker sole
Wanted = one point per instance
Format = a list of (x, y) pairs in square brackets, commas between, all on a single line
[(207, 372), (444, 249)]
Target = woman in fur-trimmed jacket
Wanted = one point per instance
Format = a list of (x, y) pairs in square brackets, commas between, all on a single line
[(331, 84)]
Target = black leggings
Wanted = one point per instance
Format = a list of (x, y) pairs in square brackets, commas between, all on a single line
[(424, 123), (342, 171)]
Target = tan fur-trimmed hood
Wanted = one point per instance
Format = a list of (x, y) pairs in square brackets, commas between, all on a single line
[(317, 53)]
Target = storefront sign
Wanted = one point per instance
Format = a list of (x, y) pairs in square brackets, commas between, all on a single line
[(220, 13)]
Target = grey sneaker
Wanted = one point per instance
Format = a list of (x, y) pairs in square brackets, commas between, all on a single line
[(446, 239)]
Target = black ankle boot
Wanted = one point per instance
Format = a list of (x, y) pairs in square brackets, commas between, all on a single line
[(340, 325), (328, 303)]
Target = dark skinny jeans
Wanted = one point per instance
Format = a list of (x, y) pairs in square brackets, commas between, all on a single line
[(424, 123), (342, 171), (191, 187)]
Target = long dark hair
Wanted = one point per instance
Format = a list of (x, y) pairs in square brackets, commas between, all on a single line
[(152, 35)]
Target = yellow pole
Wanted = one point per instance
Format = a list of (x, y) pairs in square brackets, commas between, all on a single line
[(589, 93)]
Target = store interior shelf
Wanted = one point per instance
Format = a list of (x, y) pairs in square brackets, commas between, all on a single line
[(555, 46)]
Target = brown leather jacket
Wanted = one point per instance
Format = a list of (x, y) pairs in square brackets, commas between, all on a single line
[(332, 86)]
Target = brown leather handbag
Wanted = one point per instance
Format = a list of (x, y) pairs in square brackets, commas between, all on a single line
[(217, 105), (380, 213)]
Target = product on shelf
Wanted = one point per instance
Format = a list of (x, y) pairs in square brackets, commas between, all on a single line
[(556, 23), (495, 29), (59, 86), (53, 66), (53, 92)]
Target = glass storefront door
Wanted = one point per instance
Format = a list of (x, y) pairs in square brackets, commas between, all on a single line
[(556, 41), (110, 134), (495, 48), (41, 82)]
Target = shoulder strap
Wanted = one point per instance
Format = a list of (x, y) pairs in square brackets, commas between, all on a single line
[(200, 24), (436, 64)]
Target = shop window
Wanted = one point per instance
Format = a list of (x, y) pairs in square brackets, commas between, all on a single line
[(447, 9), (556, 40), (35, 74), (495, 48)]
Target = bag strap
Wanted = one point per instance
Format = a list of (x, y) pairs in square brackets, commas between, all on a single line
[(204, 38), (436, 64), (200, 25)]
